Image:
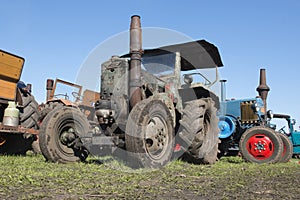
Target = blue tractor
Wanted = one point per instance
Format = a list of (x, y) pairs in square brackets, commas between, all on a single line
[(291, 133), (246, 129)]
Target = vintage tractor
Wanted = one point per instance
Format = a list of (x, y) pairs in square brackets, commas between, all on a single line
[(292, 134), (18, 109), (64, 93), (245, 128), (148, 103)]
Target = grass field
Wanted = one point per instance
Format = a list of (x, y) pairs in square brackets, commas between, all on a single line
[(31, 177)]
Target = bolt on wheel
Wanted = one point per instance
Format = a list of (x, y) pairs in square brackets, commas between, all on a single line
[(261, 145), (156, 137), (149, 134)]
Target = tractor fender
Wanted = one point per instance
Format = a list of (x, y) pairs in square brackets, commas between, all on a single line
[(65, 102), (51, 104), (168, 102), (190, 94)]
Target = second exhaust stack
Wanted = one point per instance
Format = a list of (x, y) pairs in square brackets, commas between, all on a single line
[(263, 89)]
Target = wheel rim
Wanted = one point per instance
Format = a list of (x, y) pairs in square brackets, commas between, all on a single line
[(260, 146), (157, 137), (66, 135)]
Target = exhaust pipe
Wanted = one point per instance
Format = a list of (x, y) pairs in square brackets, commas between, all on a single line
[(135, 60), (223, 90), (49, 88), (263, 89)]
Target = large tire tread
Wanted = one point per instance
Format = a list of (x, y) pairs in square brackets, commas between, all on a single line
[(287, 148), (200, 130), (47, 108), (29, 115)]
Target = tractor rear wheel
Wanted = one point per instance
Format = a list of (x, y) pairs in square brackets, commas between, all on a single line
[(149, 134), (29, 114), (261, 145), (287, 148), (29, 118), (59, 135), (200, 130)]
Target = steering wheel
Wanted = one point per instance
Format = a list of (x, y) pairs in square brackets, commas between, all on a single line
[(282, 130), (188, 78), (76, 95), (64, 95)]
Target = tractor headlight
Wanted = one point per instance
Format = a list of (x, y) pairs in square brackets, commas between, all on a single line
[(255, 107), (270, 114)]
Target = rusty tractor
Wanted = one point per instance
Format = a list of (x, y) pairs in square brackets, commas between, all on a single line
[(148, 102), (18, 109), (64, 93)]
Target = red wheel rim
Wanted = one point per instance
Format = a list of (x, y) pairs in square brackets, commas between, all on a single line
[(260, 146)]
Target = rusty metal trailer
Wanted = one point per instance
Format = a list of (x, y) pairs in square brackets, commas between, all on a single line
[(18, 109)]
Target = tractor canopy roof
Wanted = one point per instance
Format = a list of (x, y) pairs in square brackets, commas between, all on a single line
[(198, 54)]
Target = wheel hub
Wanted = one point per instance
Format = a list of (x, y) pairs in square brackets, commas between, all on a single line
[(156, 137), (68, 136), (260, 146)]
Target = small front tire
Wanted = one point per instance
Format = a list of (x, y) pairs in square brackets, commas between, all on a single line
[(59, 135), (261, 145)]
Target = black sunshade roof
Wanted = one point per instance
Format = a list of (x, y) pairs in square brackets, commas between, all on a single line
[(198, 54)]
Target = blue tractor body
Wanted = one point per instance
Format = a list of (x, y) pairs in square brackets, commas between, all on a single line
[(293, 134), (246, 128), (295, 137), (235, 117), (245, 112)]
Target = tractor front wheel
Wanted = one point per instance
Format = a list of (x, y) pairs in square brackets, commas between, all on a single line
[(261, 145), (149, 134), (59, 135)]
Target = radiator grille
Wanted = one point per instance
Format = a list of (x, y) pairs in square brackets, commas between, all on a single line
[(247, 114)]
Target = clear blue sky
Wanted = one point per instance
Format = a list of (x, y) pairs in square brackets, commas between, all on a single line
[(55, 38)]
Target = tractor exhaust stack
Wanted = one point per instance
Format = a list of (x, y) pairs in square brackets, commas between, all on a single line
[(135, 60), (223, 90), (263, 89), (49, 88)]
